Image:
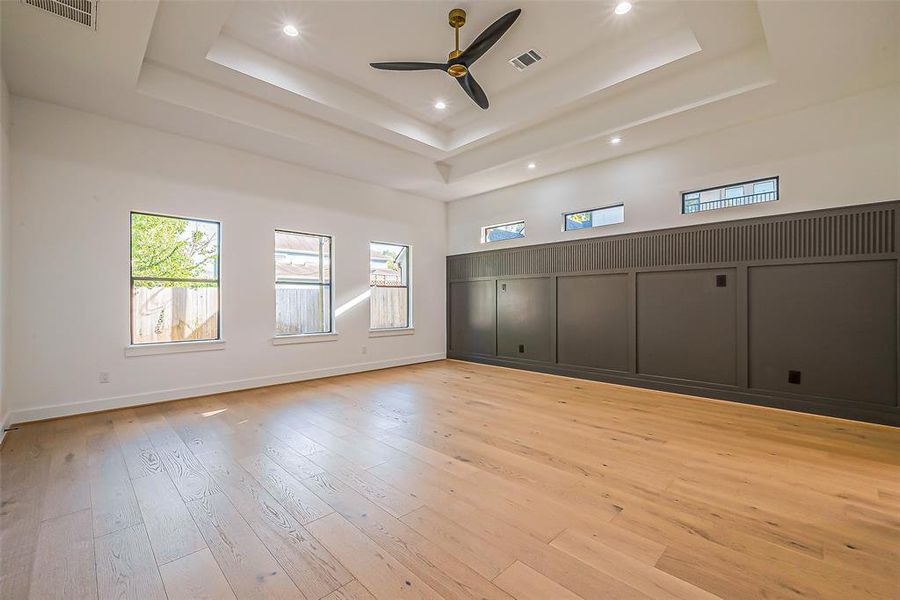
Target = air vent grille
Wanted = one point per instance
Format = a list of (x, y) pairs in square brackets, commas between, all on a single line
[(83, 12), (523, 61)]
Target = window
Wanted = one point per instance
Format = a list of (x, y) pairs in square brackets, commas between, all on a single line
[(174, 279), (764, 187), (734, 194), (598, 217), (503, 231), (389, 301), (303, 302), (690, 202)]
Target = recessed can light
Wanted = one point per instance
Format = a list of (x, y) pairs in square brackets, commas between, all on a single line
[(532, 165), (440, 105), (290, 30), (623, 7), (615, 140)]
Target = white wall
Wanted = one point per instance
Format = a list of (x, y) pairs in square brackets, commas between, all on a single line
[(840, 153), (4, 240), (76, 176)]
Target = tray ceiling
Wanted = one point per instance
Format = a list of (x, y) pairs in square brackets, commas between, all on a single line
[(224, 71)]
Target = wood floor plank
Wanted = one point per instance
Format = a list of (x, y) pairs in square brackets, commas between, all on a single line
[(456, 477), (729, 563), (125, 566), (295, 440), (378, 571), (196, 576), (140, 455), (191, 479), (524, 583), (170, 527), (440, 570), (113, 503), (352, 591), (298, 465), (646, 579), (188, 475), (249, 567), (64, 559), (391, 499), (518, 542), (287, 491), (363, 452), (24, 467), (312, 568), (469, 547), (542, 519), (68, 481)]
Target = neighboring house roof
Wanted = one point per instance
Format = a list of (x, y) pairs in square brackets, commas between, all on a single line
[(288, 242), (299, 270), (502, 234)]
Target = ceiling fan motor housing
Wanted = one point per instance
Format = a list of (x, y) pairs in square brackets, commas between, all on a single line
[(457, 70)]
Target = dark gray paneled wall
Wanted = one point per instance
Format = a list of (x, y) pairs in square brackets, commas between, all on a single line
[(797, 311)]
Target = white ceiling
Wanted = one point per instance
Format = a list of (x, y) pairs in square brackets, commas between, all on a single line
[(221, 70)]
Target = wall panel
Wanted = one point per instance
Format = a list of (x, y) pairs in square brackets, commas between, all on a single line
[(687, 325), (592, 321), (473, 317), (812, 292), (525, 318), (833, 325)]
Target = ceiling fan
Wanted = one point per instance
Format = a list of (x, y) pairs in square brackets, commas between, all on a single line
[(459, 62)]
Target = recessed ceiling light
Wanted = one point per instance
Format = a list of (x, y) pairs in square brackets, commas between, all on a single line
[(440, 105), (615, 140), (532, 166), (623, 7), (290, 30)]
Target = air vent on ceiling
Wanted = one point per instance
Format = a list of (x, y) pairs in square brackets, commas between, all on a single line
[(83, 12), (524, 61)]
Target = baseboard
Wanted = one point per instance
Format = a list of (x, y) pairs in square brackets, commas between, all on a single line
[(5, 422), (131, 400)]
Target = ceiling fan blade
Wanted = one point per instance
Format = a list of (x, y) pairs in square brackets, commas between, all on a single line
[(474, 90), (488, 38), (409, 66)]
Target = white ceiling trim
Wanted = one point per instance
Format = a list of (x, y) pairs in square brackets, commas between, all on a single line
[(726, 77), (314, 136), (329, 100), (578, 81)]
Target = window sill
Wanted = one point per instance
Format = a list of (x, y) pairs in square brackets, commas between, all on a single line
[(173, 347), (377, 333), (303, 338)]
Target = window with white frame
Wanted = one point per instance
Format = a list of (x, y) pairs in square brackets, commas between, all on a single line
[(303, 292), (597, 217), (390, 303), (174, 279), (733, 194), (503, 231)]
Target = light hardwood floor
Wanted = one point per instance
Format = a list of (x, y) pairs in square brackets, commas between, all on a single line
[(450, 480)]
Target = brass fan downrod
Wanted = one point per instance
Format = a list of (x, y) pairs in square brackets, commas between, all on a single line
[(457, 19)]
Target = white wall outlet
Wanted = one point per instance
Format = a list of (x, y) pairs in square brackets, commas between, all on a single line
[(104, 377), (364, 350)]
